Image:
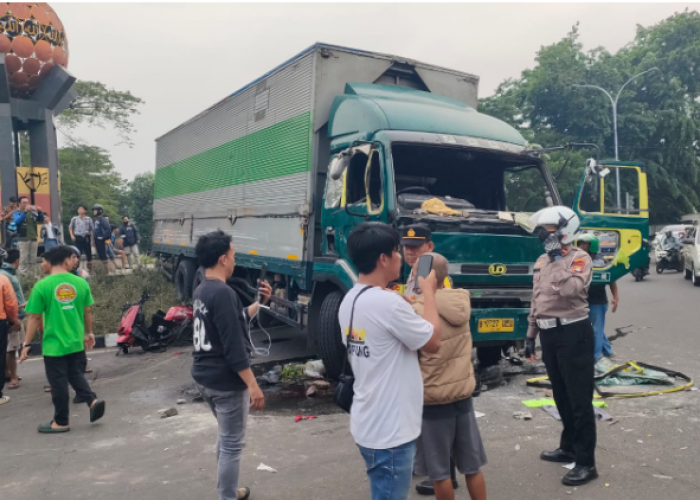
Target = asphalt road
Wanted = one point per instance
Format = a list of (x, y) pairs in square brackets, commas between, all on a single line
[(650, 453)]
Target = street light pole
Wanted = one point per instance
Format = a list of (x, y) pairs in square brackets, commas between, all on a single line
[(613, 101)]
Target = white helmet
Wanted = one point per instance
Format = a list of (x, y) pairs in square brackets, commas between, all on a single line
[(563, 217)]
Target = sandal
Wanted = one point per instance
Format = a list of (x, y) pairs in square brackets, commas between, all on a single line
[(13, 385), (47, 429), (97, 410)]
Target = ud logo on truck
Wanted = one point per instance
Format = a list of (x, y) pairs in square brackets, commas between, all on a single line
[(497, 269)]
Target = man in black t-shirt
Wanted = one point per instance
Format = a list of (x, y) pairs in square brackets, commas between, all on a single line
[(222, 348)]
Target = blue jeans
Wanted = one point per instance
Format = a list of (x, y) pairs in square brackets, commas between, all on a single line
[(49, 244), (231, 411), (602, 344), (389, 471)]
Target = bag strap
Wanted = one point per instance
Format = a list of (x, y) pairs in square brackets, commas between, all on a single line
[(352, 314)]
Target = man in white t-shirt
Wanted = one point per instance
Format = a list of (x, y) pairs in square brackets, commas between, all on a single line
[(386, 414)]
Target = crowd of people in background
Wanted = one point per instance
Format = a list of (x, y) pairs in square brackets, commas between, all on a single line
[(30, 239), (30, 230)]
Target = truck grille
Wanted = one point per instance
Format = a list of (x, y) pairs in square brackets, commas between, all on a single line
[(484, 269)]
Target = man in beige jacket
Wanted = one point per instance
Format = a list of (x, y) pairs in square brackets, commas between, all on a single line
[(449, 423)]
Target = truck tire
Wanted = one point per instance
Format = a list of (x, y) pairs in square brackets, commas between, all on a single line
[(184, 279), (330, 345), (488, 356), (198, 278)]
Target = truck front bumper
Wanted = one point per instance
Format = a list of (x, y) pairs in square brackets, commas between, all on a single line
[(517, 317)]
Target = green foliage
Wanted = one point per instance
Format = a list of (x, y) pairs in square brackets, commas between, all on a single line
[(100, 106), (658, 114), (138, 199), (88, 176)]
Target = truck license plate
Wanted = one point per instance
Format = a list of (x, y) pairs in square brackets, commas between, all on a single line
[(496, 325)]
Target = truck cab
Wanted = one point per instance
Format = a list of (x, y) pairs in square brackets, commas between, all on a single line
[(403, 156)]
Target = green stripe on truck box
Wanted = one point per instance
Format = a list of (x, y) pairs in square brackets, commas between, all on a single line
[(279, 150)]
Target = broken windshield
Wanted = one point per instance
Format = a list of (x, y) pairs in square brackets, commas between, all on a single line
[(465, 179)]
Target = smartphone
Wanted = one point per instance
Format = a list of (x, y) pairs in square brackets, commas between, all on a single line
[(263, 275), (425, 265)]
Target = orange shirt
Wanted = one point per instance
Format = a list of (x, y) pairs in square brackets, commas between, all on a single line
[(9, 308)]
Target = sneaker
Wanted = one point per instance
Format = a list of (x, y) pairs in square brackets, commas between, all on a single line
[(243, 493), (4, 400)]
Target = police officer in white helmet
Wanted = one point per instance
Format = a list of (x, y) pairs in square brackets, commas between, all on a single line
[(559, 314)]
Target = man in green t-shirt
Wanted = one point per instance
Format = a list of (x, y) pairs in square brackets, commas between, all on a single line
[(64, 300)]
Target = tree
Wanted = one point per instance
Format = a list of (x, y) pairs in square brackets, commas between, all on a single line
[(658, 117), (100, 106), (139, 203), (88, 176)]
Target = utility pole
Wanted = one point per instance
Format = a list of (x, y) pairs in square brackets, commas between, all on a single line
[(613, 101)]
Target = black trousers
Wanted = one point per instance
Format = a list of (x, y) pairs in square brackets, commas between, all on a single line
[(64, 370), (101, 249), (567, 352), (84, 245), (4, 332)]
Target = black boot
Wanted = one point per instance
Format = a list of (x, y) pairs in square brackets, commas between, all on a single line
[(580, 475), (559, 456)]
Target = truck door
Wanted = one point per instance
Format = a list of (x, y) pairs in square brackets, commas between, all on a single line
[(617, 213), (363, 193)]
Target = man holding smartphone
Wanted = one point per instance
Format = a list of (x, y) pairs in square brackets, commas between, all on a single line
[(222, 348), (386, 415)]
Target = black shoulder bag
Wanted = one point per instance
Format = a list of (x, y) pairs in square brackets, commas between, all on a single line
[(345, 390)]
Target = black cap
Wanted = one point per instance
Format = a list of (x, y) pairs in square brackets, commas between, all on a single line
[(415, 235)]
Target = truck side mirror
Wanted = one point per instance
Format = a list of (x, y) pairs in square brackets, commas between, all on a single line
[(339, 164), (342, 160)]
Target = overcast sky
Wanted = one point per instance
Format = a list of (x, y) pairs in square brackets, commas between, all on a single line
[(182, 58)]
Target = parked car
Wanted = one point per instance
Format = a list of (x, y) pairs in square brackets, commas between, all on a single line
[(691, 256)]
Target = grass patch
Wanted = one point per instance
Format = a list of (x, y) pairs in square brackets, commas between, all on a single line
[(111, 292)]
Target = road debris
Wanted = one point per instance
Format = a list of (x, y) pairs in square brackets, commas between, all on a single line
[(570, 466), (314, 369), (661, 476), (181, 401), (522, 415), (299, 418), (517, 447), (266, 468), (170, 412), (479, 414)]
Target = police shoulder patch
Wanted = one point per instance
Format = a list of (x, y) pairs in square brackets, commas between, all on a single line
[(579, 265)]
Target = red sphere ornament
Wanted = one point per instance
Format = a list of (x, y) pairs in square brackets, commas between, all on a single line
[(33, 39)]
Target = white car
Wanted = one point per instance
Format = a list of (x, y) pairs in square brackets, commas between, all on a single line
[(691, 255)]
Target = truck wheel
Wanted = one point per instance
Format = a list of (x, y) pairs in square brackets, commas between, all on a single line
[(184, 279), (198, 278), (330, 345), (488, 356)]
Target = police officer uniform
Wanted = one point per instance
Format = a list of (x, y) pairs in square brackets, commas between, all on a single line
[(559, 314), (416, 235)]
